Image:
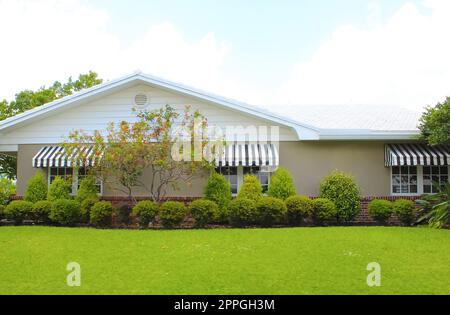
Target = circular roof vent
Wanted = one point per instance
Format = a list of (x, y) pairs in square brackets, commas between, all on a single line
[(141, 100)]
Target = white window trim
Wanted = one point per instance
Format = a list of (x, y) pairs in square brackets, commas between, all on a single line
[(74, 190), (419, 182)]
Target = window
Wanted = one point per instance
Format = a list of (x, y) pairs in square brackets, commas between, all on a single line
[(68, 173), (83, 172), (434, 174), (235, 176), (263, 177), (404, 180), (230, 173)]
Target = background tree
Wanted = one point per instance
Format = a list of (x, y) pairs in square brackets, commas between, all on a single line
[(435, 123), (127, 149), (28, 99)]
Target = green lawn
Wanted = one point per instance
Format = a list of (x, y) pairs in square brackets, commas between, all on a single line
[(225, 261)]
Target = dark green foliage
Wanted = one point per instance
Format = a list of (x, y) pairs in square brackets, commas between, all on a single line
[(86, 206), (299, 208), (36, 188), (146, 212), (380, 210), (341, 188), (2, 211), (281, 184), (65, 212), (323, 210), (101, 213), (218, 189), (123, 214), (251, 188), (19, 210), (60, 188), (41, 211), (435, 123), (242, 212), (270, 211), (203, 211), (172, 213), (435, 208), (404, 209)]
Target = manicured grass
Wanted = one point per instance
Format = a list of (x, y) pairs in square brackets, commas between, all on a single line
[(225, 261)]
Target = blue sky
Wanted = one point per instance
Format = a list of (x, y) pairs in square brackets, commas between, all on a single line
[(268, 53)]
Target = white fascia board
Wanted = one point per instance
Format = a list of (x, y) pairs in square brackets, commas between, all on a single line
[(359, 134), (9, 147)]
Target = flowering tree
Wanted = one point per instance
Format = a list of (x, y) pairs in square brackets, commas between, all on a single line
[(169, 144)]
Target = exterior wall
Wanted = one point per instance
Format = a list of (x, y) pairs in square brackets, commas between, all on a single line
[(309, 163), (96, 114)]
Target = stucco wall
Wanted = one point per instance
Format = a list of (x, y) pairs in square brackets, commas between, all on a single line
[(308, 162)]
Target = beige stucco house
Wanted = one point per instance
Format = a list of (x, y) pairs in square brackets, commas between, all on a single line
[(376, 145)]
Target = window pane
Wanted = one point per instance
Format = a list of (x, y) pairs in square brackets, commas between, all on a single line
[(395, 170), (396, 189), (53, 171), (413, 180), (396, 180), (444, 170), (427, 189), (427, 180), (426, 170), (413, 189), (404, 189), (444, 179), (412, 170), (404, 170), (435, 170), (404, 179)]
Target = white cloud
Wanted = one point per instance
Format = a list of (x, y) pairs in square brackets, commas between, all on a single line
[(49, 40), (403, 62)]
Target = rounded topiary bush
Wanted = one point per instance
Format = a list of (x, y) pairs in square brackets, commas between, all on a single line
[(65, 212), (41, 211), (87, 189), (172, 213), (270, 210), (36, 188), (251, 189), (60, 188), (86, 206), (19, 210), (299, 208), (101, 213), (218, 190), (146, 212), (203, 211), (404, 209), (242, 212), (281, 184), (341, 188), (323, 210), (380, 210)]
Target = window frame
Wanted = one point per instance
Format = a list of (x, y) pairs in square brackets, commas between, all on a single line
[(75, 179), (419, 181), (240, 177)]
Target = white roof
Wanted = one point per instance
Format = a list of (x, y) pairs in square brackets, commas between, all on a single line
[(310, 123)]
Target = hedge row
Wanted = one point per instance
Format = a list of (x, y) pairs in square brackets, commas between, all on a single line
[(382, 210)]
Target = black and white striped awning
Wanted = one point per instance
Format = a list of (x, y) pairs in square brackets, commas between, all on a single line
[(56, 156), (249, 155), (416, 154)]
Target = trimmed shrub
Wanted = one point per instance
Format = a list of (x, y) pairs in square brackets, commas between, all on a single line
[(60, 188), (242, 212), (2, 211), (86, 206), (7, 189), (146, 212), (404, 209), (101, 213), (172, 213), (299, 208), (65, 212), (270, 211), (41, 211), (203, 211), (36, 188), (323, 210), (87, 189), (380, 210), (123, 214), (281, 184), (218, 189), (251, 189), (341, 188), (19, 210)]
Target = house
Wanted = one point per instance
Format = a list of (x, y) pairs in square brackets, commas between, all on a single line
[(376, 145)]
